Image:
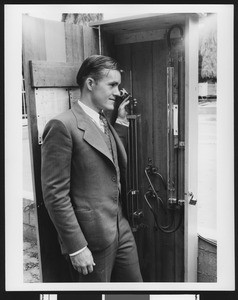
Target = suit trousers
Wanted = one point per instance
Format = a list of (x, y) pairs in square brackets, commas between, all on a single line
[(118, 262)]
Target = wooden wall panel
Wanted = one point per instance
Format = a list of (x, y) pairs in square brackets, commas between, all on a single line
[(33, 38), (55, 41), (143, 36), (164, 242), (159, 106), (160, 149), (107, 41), (123, 56), (141, 54), (50, 102), (53, 74), (74, 43), (90, 41)]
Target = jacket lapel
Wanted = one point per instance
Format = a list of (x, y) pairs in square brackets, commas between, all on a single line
[(91, 134)]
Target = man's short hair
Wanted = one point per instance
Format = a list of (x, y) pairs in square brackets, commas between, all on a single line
[(93, 66)]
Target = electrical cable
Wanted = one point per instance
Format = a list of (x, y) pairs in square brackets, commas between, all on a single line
[(165, 229), (160, 227), (152, 187), (154, 213)]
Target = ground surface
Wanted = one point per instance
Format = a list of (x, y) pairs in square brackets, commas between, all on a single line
[(31, 262)]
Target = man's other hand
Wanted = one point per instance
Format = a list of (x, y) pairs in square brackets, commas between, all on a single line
[(122, 113), (83, 261)]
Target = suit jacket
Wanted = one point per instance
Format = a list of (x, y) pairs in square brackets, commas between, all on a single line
[(79, 180)]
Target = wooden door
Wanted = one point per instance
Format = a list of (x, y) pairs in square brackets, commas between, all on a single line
[(145, 64), (52, 54), (166, 256)]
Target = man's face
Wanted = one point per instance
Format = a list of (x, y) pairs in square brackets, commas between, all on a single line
[(105, 90)]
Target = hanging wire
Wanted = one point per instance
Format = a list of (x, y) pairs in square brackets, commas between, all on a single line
[(164, 229), (153, 189)]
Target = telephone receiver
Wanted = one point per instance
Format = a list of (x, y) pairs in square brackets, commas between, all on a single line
[(130, 108), (123, 95)]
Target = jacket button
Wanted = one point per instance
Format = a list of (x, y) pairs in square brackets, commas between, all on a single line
[(114, 178)]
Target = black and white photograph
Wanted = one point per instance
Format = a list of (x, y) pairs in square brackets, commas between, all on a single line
[(119, 148)]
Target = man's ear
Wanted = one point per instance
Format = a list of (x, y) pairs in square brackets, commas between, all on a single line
[(90, 83)]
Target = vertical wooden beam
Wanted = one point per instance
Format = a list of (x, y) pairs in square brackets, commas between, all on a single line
[(108, 46), (74, 43), (179, 236), (90, 41), (33, 38), (191, 145), (163, 269), (142, 69), (54, 41), (123, 56)]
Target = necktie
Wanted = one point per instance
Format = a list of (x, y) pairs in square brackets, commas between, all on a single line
[(105, 124), (106, 131)]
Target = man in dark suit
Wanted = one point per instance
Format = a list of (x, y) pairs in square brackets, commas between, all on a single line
[(84, 179)]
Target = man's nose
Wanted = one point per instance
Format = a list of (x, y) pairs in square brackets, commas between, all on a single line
[(116, 91)]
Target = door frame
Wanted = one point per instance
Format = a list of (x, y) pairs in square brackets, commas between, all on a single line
[(191, 147)]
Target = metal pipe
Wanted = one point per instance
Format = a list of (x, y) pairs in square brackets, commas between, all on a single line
[(136, 162), (133, 182), (181, 122), (170, 137), (99, 40)]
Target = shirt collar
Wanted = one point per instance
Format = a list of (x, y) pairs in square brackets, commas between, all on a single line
[(90, 112)]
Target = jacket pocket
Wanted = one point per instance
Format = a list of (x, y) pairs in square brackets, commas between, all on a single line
[(84, 215)]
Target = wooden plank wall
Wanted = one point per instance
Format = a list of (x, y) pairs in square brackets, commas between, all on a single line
[(159, 117), (142, 89), (74, 42), (160, 254), (56, 74), (49, 41)]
